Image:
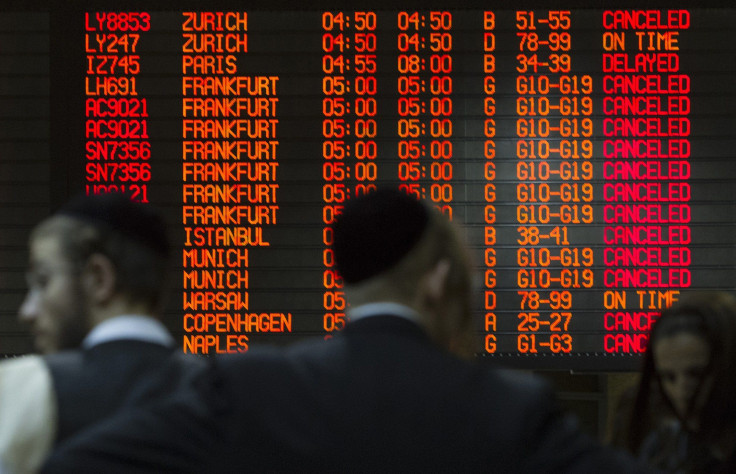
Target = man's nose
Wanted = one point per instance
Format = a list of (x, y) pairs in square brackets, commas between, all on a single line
[(686, 387), (29, 308)]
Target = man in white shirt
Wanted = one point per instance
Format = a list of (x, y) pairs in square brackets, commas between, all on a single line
[(96, 279), (28, 414)]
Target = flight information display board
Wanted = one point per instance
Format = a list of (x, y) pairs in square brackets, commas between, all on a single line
[(585, 153)]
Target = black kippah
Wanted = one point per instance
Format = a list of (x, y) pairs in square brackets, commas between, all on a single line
[(375, 231), (119, 213)]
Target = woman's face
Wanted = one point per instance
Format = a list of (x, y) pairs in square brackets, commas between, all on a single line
[(682, 361)]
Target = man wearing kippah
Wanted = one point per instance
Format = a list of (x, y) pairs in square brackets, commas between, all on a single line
[(95, 282), (393, 392)]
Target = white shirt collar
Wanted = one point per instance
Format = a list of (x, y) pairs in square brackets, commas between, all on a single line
[(383, 308), (129, 326)]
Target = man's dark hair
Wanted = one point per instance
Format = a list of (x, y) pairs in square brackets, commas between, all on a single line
[(132, 235)]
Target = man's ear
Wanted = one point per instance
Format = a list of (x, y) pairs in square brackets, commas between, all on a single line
[(434, 293), (99, 278), (436, 280)]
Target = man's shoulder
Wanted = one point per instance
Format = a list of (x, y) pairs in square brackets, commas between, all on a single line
[(25, 369), (120, 363), (72, 357), (129, 351), (11, 364), (27, 411)]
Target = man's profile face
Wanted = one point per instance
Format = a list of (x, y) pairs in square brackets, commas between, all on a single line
[(54, 306)]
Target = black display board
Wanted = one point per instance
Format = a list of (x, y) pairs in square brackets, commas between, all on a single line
[(585, 152)]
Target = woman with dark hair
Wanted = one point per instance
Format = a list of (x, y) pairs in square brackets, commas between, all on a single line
[(689, 365)]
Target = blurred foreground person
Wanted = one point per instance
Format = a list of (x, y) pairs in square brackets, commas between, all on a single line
[(95, 290), (392, 392), (689, 365)]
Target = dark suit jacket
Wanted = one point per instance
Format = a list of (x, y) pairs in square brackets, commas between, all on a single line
[(379, 397), (92, 384)]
